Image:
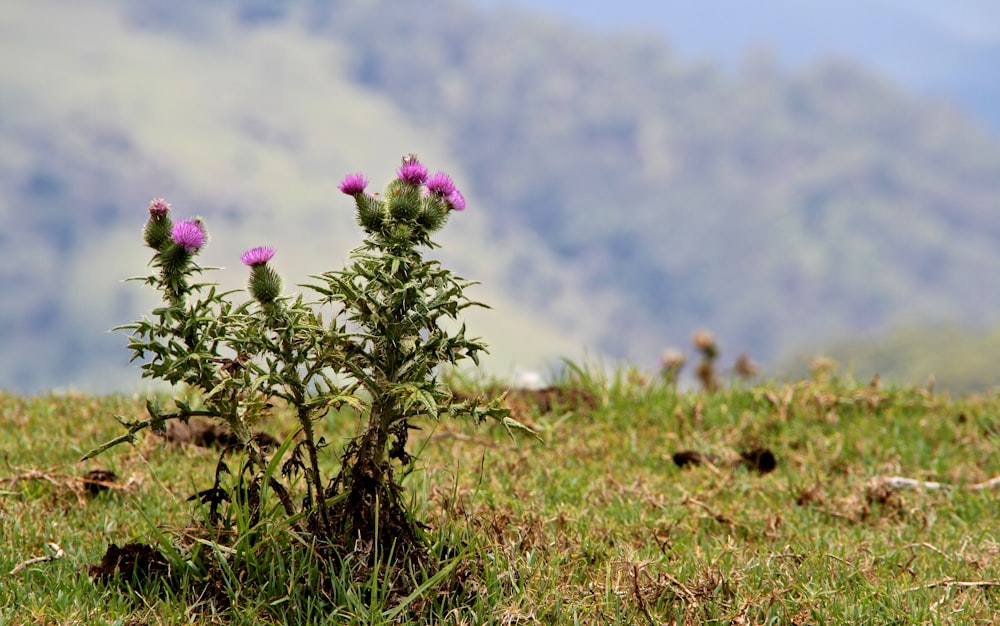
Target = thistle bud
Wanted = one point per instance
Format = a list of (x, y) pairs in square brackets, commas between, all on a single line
[(157, 230), (403, 200), (174, 259), (671, 363), (371, 212), (704, 342), (264, 283), (433, 215)]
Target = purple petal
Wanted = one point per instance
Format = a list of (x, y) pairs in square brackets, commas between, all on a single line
[(456, 200), (413, 172), (353, 184), (188, 234), (441, 185), (257, 256)]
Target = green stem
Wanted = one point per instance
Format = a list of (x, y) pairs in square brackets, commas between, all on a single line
[(297, 389), (305, 419)]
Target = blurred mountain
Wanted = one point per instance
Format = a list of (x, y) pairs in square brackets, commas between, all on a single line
[(948, 50), (620, 196)]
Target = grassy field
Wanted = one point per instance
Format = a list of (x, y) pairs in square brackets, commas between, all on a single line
[(593, 524)]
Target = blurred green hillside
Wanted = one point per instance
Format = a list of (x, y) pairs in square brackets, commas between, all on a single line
[(620, 197), (959, 360)]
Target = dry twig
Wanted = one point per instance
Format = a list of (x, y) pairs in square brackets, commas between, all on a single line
[(57, 553), (638, 595), (901, 482), (718, 517), (949, 583)]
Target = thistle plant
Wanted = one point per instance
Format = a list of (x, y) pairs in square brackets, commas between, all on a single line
[(372, 337), (704, 343), (391, 339)]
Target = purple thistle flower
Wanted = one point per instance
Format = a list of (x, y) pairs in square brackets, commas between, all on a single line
[(353, 184), (456, 200), (257, 256), (413, 172), (441, 185), (188, 234), (159, 207)]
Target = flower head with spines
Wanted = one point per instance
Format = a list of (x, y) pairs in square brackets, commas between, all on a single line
[(264, 283), (189, 234)]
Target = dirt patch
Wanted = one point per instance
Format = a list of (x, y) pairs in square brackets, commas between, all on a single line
[(135, 562), (208, 434), (98, 480), (548, 399), (693, 458), (760, 460)]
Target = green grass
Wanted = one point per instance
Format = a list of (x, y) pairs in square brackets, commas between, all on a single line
[(593, 525)]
